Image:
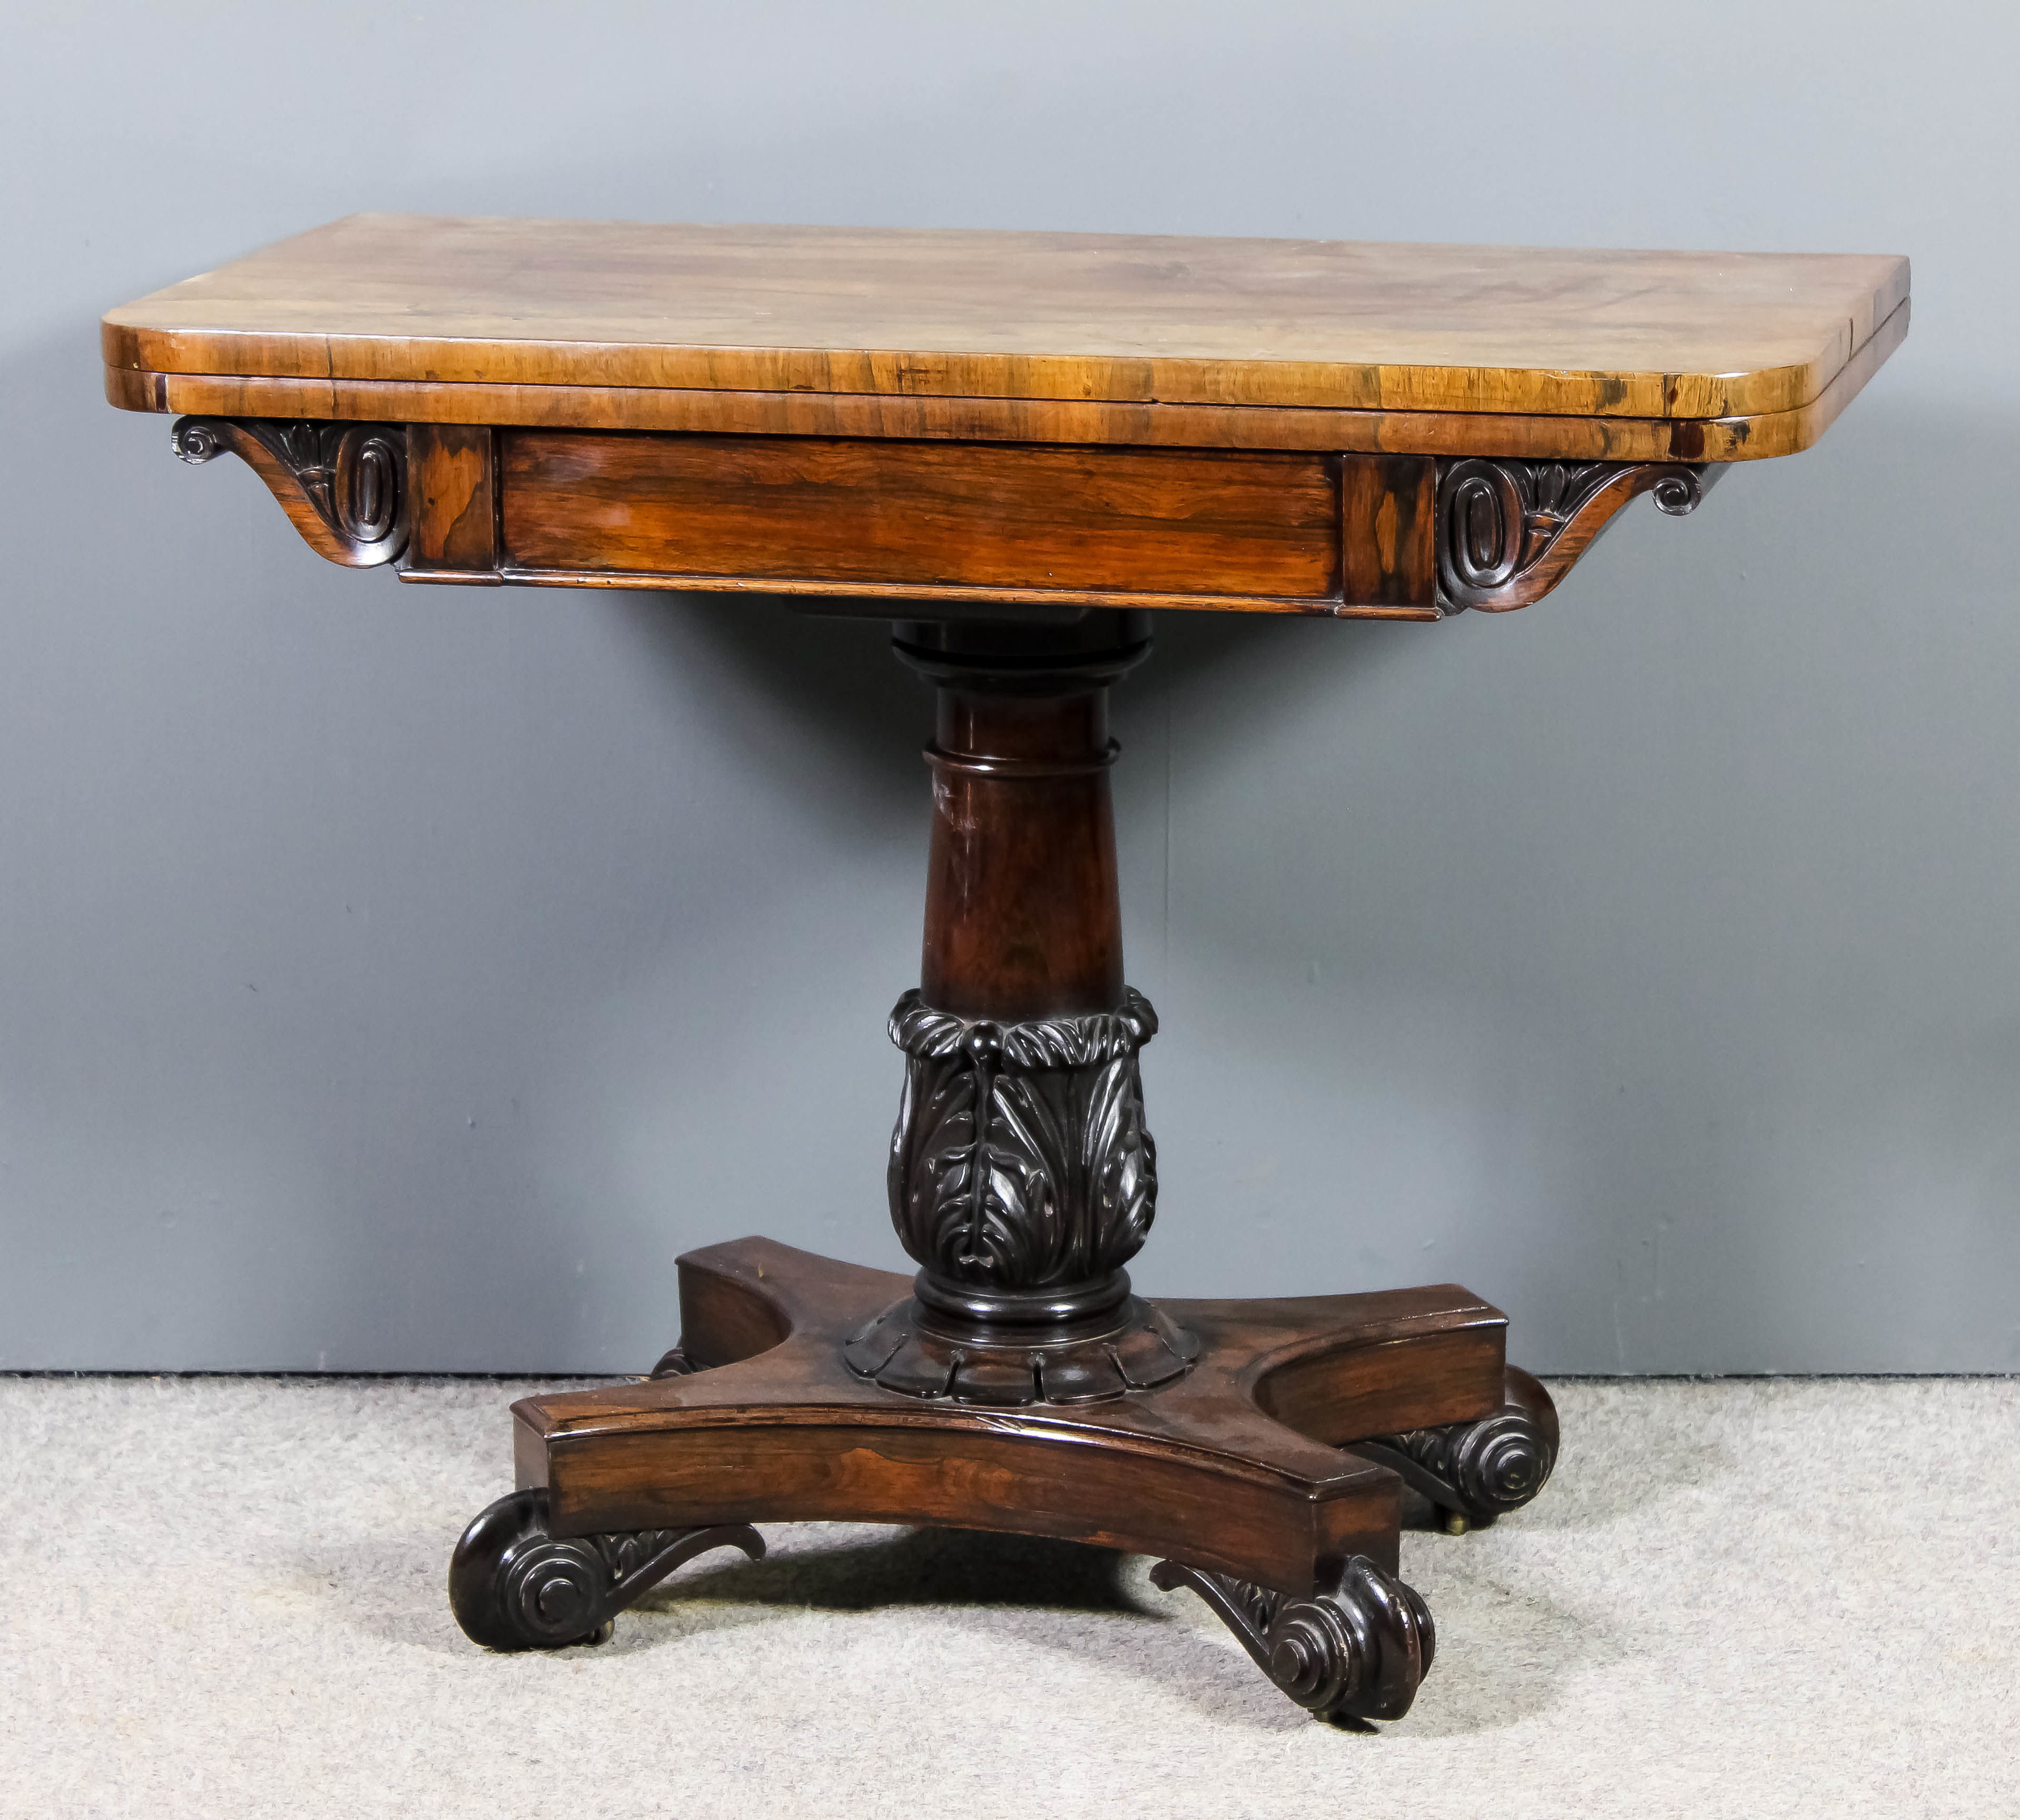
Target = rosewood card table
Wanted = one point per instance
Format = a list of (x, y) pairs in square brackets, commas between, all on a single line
[(1015, 446)]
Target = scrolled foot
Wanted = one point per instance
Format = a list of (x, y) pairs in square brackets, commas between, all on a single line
[(513, 1586), (674, 1363), (1359, 1651), (1478, 1470)]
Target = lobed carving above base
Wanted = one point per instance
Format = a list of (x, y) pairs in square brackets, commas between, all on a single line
[(900, 1350)]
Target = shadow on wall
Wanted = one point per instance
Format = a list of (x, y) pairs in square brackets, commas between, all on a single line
[(1640, 956), (840, 680), (1641, 959)]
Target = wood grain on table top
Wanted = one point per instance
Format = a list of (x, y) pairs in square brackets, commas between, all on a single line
[(1339, 324)]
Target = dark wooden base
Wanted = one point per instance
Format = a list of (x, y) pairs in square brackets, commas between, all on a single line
[(1259, 1449), (1267, 1477)]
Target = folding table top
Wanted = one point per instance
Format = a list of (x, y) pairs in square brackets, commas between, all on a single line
[(1022, 337)]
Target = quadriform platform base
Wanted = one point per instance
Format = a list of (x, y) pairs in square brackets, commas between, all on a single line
[(1264, 1473), (1014, 446)]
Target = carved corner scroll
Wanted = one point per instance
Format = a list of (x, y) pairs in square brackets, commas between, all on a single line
[(1508, 530), (344, 485)]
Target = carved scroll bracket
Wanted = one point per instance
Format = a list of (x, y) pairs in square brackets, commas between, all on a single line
[(1508, 530), (344, 485)]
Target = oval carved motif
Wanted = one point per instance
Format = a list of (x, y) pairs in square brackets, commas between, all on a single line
[(1485, 528), (367, 491)]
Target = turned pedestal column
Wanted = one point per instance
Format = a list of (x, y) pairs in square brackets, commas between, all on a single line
[(1022, 1175), (1019, 1386)]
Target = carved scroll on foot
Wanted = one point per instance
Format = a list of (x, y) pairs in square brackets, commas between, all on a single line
[(1508, 530), (513, 1586), (674, 1363), (1358, 1649), (1479, 1470), (344, 485)]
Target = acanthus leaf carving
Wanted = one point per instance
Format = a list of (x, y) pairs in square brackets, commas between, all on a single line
[(1020, 1159)]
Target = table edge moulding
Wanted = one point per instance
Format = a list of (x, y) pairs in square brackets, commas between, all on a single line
[(1012, 446)]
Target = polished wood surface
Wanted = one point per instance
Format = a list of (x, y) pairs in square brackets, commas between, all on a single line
[(1388, 531), (1023, 911), (1237, 1466), (889, 332), (452, 477), (923, 527), (926, 514)]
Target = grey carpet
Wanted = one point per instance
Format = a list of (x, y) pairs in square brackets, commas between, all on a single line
[(225, 1597)]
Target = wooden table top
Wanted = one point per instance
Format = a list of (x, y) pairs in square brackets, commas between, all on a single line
[(1023, 336)]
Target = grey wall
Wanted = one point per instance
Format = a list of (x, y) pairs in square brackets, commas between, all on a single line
[(399, 979)]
